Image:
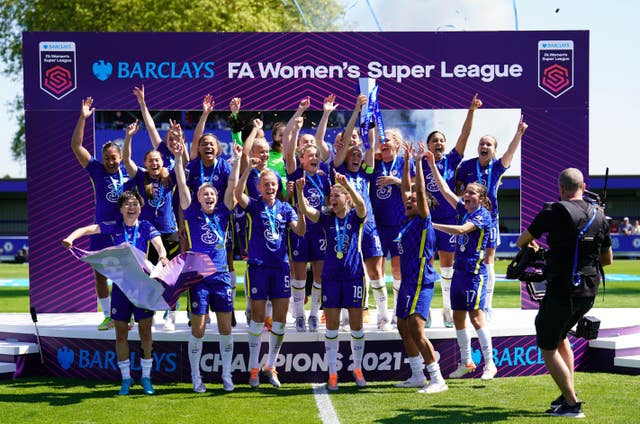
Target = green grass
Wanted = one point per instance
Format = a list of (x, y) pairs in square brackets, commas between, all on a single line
[(507, 294), (521, 399)]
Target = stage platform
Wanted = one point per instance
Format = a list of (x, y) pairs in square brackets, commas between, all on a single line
[(72, 346)]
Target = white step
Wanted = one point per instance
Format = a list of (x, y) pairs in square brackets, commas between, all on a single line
[(6, 367), (619, 342), (627, 361), (17, 348)]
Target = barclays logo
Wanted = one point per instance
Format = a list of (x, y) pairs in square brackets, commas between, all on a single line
[(153, 70), (65, 357), (102, 70)]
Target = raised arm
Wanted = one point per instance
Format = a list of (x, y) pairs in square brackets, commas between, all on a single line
[(81, 153), (303, 205), (207, 107), (348, 130), (288, 140), (129, 164), (449, 195), (461, 144), (405, 185), (241, 198), (358, 201), (67, 242), (229, 194), (234, 120), (515, 143), (328, 106), (147, 118), (369, 154), (248, 143), (290, 151), (176, 144), (421, 189)]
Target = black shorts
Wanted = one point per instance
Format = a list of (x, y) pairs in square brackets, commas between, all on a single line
[(556, 316), (171, 242)]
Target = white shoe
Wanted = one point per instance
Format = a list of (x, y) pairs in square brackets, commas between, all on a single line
[(489, 372), (170, 321), (412, 382), (462, 370), (434, 387), (384, 325), (447, 318), (227, 383), (272, 376), (198, 385), (488, 314)]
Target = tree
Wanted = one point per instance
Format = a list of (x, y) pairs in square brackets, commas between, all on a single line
[(17, 16)]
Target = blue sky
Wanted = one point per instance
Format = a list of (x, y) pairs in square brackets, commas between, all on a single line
[(614, 86)]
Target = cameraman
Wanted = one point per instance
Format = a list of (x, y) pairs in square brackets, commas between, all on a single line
[(571, 287)]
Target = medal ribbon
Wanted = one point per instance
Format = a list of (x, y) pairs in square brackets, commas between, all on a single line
[(215, 227), (135, 233)]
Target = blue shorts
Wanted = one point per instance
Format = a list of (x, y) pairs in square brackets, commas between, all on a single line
[(445, 242), (311, 247), (371, 246), (343, 293), (468, 291), (100, 241), (388, 235), (494, 234), (268, 283), (413, 301), (122, 308), (214, 291)]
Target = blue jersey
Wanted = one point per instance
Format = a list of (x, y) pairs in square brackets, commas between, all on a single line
[(138, 235), (470, 171), (346, 235), (267, 232), (447, 168), (360, 180), (416, 245), (251, 189), (157, 208), (106, 189), (208, 237), (316, 190), (470, 247), (386, 201), (217, 174)]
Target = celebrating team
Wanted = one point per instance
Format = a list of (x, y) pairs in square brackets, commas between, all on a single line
[(351, 206)]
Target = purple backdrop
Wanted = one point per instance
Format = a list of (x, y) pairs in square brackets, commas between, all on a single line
[(546, 74)]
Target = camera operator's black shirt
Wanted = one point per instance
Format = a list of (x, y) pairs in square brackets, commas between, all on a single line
[(562, 233)]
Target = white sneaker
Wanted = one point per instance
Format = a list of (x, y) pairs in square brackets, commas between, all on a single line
[(198, 385), (384, 325), (447, 317), (227, 383), (170, 321), (488, 314), (462, 370), (489, 372), (272, 376), (412, 382), (434, 387)]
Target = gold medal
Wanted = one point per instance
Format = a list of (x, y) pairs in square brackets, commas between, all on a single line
[(339, 255)]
